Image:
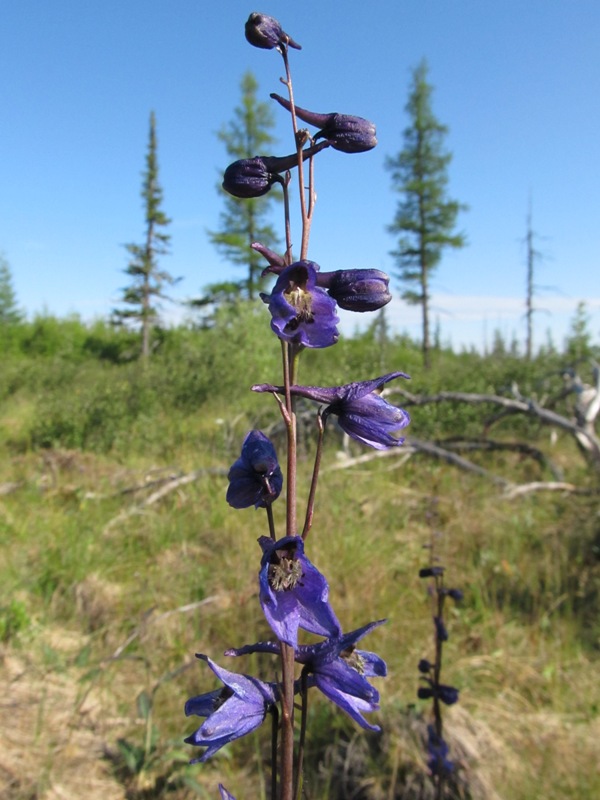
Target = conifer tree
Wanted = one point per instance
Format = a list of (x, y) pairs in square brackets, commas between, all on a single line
[(425, 217), (142, 296), (242, 222), (10, 314)]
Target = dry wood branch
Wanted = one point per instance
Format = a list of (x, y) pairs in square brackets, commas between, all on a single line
[(542, 486), (170, 486), (149, 619), (412, 446), (492, 445), (589, 440), (8, 488)]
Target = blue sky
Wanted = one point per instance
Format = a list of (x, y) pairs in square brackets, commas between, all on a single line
[(516, 82)]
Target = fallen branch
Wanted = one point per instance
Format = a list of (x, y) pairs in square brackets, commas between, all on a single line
[(586, 438), (541, 486), (167, 488), (412, 446)]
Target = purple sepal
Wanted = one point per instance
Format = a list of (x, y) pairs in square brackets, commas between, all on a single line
[(361, 411), (293, 593), (255, 479), (301, 312), (344, 132), (231, 712)]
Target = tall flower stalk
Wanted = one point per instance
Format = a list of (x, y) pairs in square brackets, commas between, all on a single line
[(293, 593)]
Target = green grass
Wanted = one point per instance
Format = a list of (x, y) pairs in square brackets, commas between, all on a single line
[(97, 635)]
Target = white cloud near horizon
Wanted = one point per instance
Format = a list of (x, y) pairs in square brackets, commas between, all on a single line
[(472, 319)]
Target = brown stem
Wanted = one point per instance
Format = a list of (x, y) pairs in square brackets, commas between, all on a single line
[(310, 508)]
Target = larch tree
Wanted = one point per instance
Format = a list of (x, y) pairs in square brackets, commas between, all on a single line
[(10, 313), (242, 222), (426, 217), (142, 296)]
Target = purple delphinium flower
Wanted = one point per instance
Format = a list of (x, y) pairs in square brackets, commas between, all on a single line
[(266, 32), (225, 795), (231, 712), (293, 593), (438, 761), (338, 669), (361, 411), (255, 478), (253, 177), (301, 312), (344, 132)]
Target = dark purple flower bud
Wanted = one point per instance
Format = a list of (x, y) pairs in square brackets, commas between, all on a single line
[(431, 572), (231, 712), (456, 594), (225, 795), (266, 32), (345, 132), (438, 762), (293, 593), (357, 289), (249, 177), (447, 694), (424, 666), (255, 479), (301, 312), (440, 629), (361, 411), (253, 177)]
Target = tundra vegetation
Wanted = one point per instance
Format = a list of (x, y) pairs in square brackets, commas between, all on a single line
[(119, 559)]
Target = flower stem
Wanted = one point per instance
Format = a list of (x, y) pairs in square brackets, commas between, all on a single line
[(274, 736), (303, 725), (287, 652), (269, 508), (310, 508)]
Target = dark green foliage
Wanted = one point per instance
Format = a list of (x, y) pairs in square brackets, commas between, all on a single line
[(245, 221), (426, 217), (141, 296)]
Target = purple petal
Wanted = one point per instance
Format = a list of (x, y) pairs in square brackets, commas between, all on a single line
[(351, 705)]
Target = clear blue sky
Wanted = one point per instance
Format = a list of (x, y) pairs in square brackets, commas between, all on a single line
[(516, 82)]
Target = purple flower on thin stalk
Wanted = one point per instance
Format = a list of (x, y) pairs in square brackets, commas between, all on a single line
[(438, 761), (344, 132), (293, 593), (361, 411), (253, 177), (266, 32), (237, 709), (301, 312), (255, 478), (338, 669)]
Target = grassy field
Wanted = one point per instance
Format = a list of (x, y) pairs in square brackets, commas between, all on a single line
[(112, 576)]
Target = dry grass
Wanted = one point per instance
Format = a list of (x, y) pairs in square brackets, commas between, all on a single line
[(111, 615)]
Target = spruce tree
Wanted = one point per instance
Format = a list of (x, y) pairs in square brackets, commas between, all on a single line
[(425, 217), (142, 296), (242, 222)]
